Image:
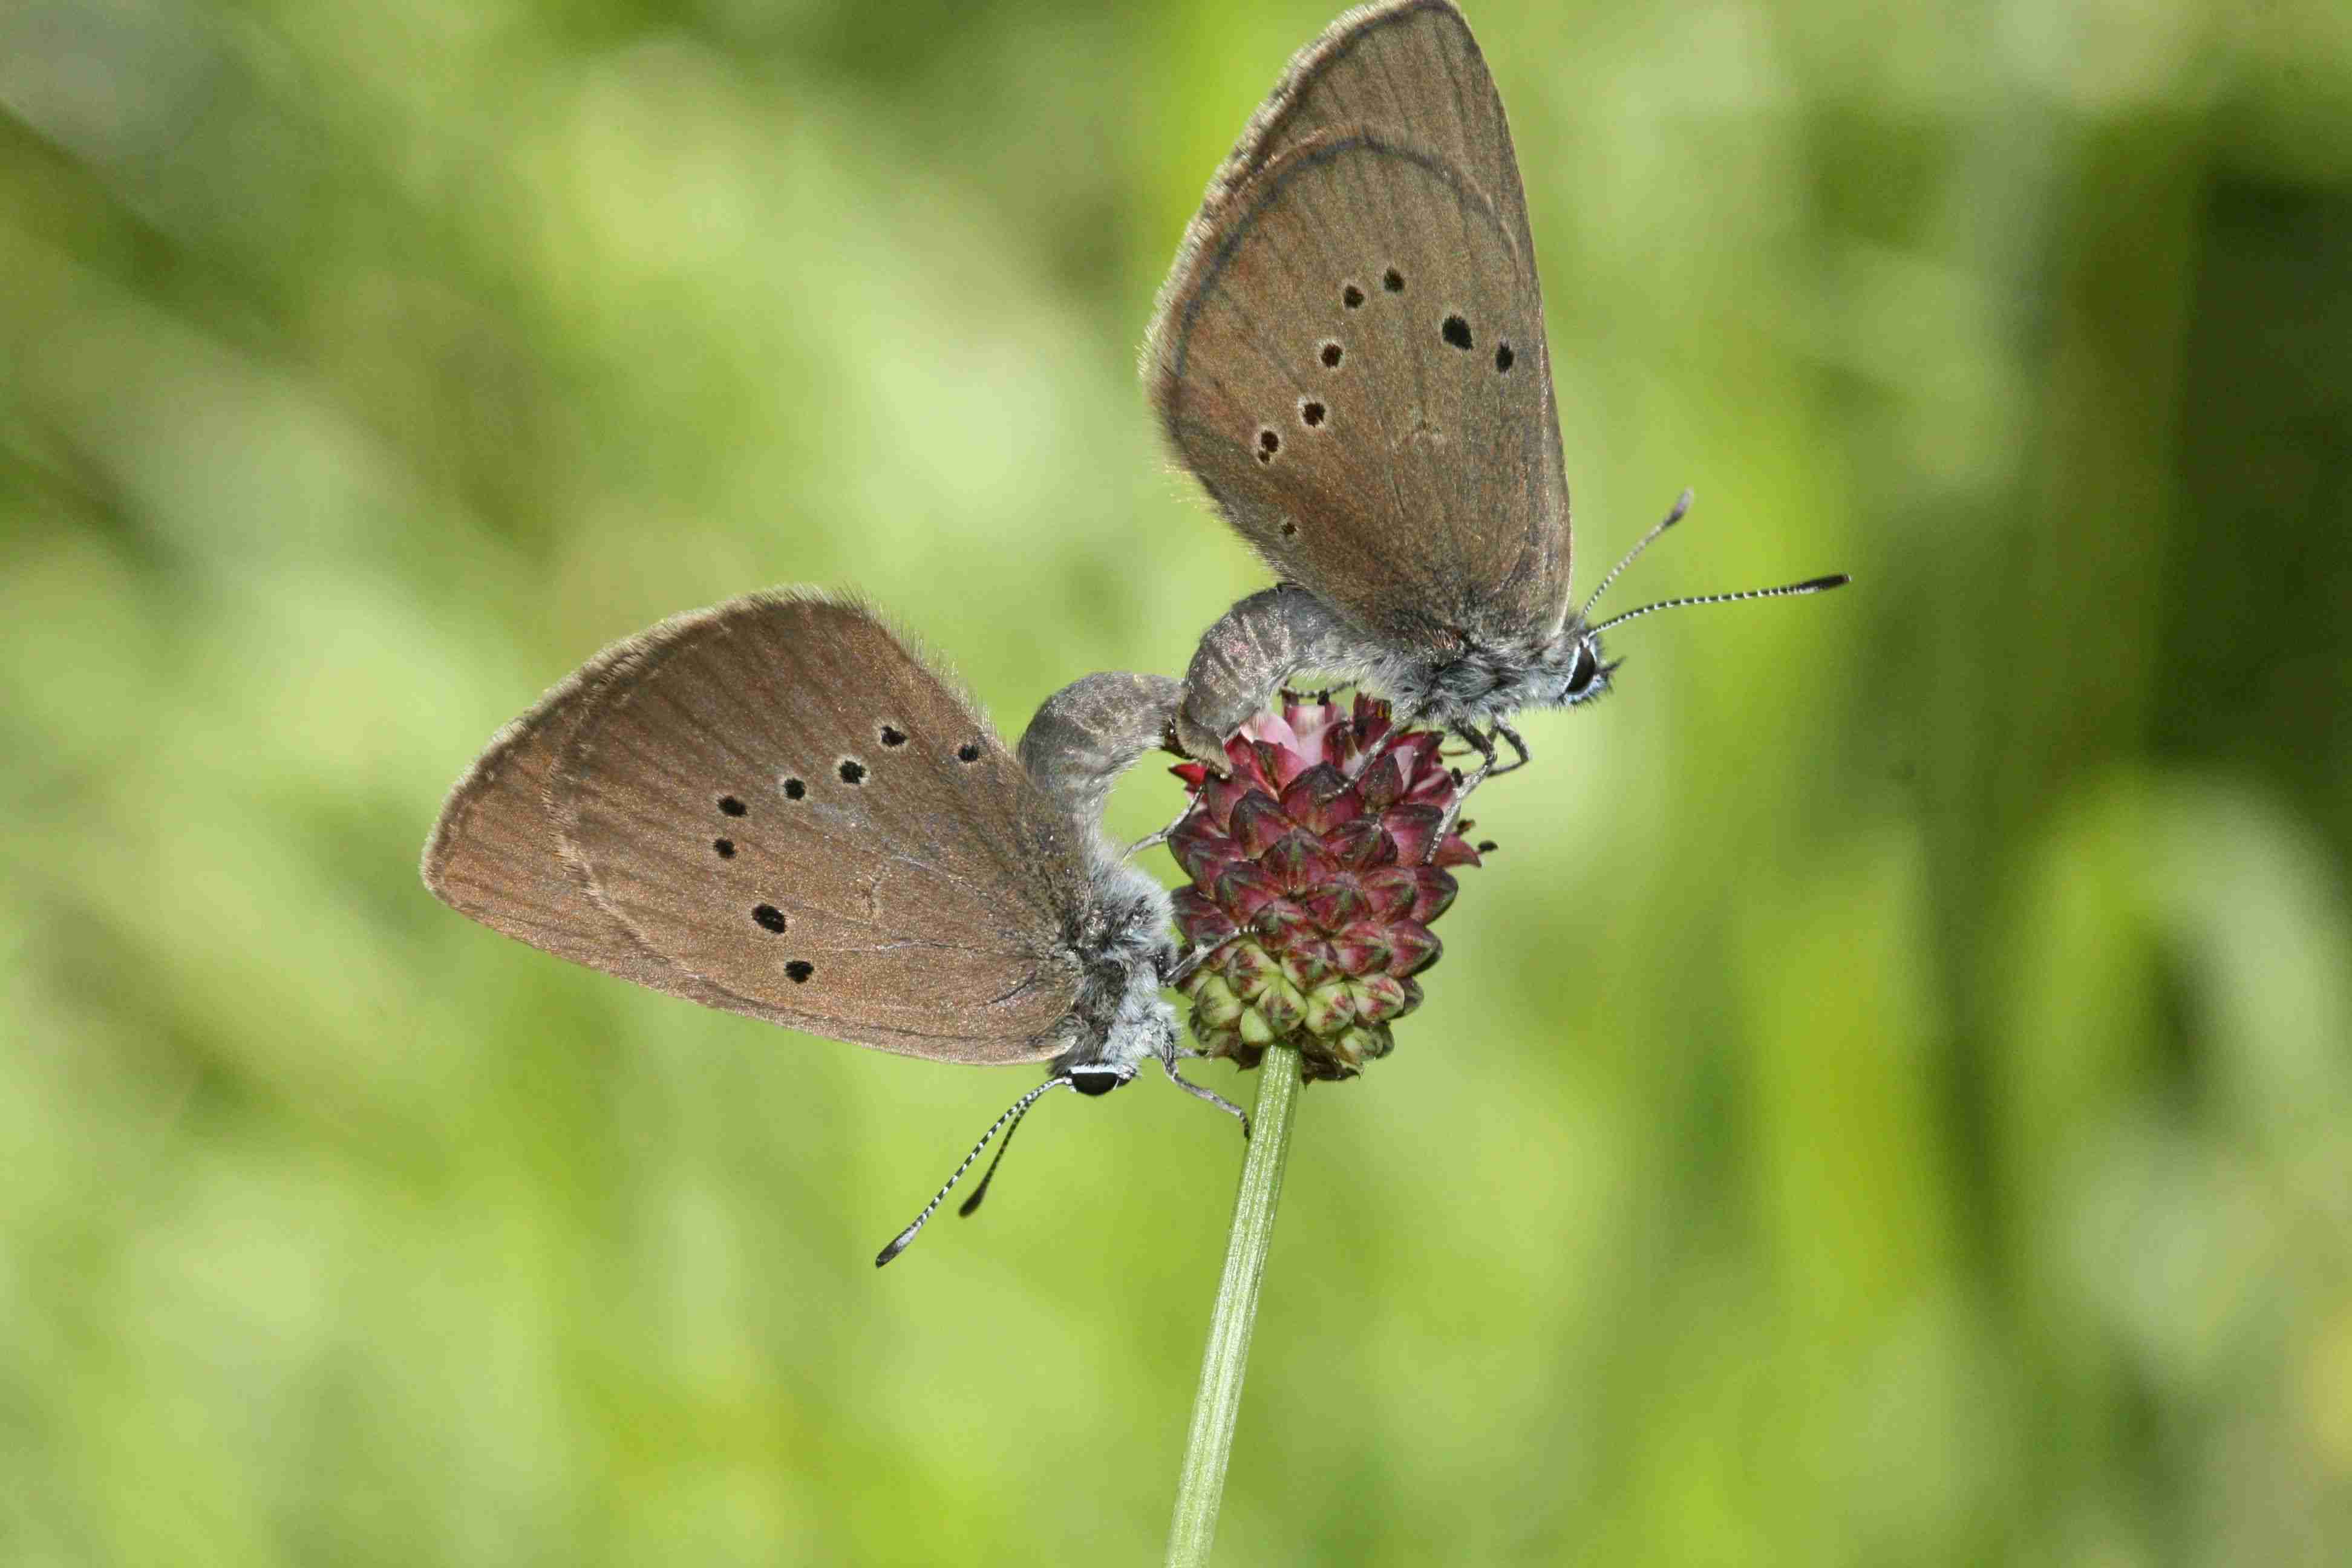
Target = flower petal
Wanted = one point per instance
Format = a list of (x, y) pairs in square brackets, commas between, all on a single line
[(1338, 902), (1202, 851), (1242, 888), (1320, 798), (1258, 824), (1362, 845), (1415, 828), (1199, 918), (1298, 861), (1411, 948), (1309, 963)]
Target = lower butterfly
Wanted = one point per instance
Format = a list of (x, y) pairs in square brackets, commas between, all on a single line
[(776, 807)]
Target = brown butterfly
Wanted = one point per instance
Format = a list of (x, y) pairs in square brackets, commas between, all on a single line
[(775, 807), (1348, 355)]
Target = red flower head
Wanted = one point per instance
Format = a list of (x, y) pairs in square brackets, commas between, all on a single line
[(1317, 867)]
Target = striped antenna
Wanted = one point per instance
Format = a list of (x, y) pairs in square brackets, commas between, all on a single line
[(1013, 1115), (1682, 505), (1789, 590)]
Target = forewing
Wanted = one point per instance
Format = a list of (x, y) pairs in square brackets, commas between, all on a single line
[(1352, 371), (771, 800), (1409, 69), (496, 856), (1409, 73)]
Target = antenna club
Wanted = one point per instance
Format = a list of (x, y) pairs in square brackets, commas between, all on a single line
[(1007, 1125), (1682, 505)]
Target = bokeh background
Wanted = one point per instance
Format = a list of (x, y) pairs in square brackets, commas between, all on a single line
[(1886, 1103)]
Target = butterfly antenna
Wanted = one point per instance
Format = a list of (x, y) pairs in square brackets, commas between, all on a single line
[(1682, 505), (1786, 590), (1013, 1115), (965, 1209)]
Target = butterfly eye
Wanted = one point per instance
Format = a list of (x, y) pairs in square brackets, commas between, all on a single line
[(1581, 675), (1095, 1080)]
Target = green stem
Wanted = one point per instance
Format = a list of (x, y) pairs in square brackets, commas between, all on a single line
[(1201, 1486)]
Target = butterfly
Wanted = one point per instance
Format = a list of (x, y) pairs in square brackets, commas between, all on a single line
[(1348, 355), (776, 807)]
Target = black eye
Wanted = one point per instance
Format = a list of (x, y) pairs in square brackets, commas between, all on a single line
[(1580, 678), (1095, 1080)]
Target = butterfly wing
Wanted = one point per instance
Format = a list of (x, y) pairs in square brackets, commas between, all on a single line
[(1408, 69), (1424, 497), (495, 856), (781, 803)]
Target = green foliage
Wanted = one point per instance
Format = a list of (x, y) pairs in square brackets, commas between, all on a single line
[(1886, 1102)]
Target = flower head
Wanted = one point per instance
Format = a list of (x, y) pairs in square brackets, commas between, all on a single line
[(1317, 867)]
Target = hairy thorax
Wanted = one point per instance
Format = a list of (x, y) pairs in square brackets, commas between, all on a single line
[(1476, 683), (1118, 1018)]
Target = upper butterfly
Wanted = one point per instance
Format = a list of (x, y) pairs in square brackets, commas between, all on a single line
[(773, 807), (1350, 355)]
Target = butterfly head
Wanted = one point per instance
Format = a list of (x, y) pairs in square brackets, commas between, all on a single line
[(1575, 655), (1573, 669), (1099, 1077)]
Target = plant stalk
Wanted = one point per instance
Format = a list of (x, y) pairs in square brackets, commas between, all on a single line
[(1200, 1485)]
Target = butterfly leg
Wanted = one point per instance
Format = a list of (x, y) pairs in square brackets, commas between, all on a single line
[(1402, 721), (1200, 1092), (1243, 659), (1151, 840), (1174, 975), (1484, 746), (1510, 738)]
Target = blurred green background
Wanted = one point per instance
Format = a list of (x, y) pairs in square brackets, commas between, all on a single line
[(1886, 1103)]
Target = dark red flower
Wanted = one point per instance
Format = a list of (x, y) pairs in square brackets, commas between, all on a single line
[(1317, 867)]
